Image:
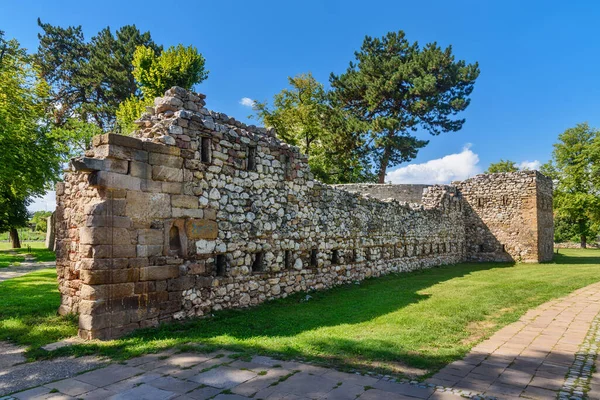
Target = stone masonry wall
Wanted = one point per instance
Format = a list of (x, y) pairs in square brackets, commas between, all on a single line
[(201, 212), (508, 216), (408, 193)]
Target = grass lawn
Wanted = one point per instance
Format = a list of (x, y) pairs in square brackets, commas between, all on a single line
[(415, 322), (38, 250)]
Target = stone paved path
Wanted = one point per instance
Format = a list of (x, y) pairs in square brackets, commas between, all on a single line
[(527, 359), (531, 357), (24, 267)]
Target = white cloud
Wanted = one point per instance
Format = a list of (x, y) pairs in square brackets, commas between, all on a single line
[(45, 203), (247, 102), (443, 170), (530, 165)]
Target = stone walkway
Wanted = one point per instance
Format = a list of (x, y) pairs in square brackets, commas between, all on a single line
[(528, 359), (531, 357)]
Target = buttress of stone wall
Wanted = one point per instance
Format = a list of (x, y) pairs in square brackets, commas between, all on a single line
[(503, 218), (202, 213)]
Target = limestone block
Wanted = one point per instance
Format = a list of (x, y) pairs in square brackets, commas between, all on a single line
[(151, 236), (159, 272), (111, 180), (165, 160), (182, 201), (201, 229), (161, 148), (104, 235), (140, 170), (205, 246), (162, 173), (187, 212), (144, 207), (149, 250), (121, 140)]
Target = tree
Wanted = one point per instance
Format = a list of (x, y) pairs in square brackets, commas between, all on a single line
[(502, 166), (88, 79), (573, 168), (303, 116), (40, 220), (155, 73), (396, 87), (30, 158)]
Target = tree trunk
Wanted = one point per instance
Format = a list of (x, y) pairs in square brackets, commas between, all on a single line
[(583, 241), (385, 159), (14, 238)]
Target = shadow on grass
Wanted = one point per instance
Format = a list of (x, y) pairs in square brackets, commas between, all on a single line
[(584, 256), (272, 328)]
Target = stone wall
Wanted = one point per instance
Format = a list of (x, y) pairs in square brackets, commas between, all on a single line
[(508, 216), (201, 212), (407, 193)]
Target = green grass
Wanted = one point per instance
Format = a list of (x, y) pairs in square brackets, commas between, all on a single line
[(37, 250), (25, 234), (421, 320), (28, 307)]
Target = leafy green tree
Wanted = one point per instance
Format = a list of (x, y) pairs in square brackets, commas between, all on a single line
[(396, 87), (176, 66), (303, 116), (502, 166), (155, 73), (88, 79), (30, 158), (40, 220), (573, 168)]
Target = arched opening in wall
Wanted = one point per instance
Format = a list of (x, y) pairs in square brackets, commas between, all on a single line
[(503, 248), (174, 241), (221, 264), (258, 262), (313, 258), (335, 256), (205, 149)]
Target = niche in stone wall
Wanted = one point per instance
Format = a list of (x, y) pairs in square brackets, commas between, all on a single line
[(313, 258), (335, 256), (287, 167), (175, 241), (221, 264), (258, 264), (251, 159), (205, 149), (287, 259)]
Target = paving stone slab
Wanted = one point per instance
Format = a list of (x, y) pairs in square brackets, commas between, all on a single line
[(223, 377), (71, 386), (109, 375), (143, 392)]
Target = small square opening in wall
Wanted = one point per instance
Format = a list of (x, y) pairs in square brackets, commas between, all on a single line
[(205, 150), (287, 167), (313, 258), (287, 259), (221, 264), (481, 248), (353, 255), (335, 256), (504, 248), (258, 263), (251, 161)]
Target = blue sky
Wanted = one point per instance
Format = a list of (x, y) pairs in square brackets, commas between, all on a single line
[(539, 60)]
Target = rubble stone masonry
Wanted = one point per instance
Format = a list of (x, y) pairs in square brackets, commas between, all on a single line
[(200, 212)]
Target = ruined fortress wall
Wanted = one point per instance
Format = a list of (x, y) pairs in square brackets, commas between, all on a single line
[(410, 193), (203, 213), (508, 216)]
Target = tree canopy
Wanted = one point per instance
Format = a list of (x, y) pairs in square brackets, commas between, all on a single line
[(302, 115), (155, 73), (574, 168), (396, 87), (502, 166), (30, 158)]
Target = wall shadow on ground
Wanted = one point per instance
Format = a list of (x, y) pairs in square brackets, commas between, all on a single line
[(345, 305)]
